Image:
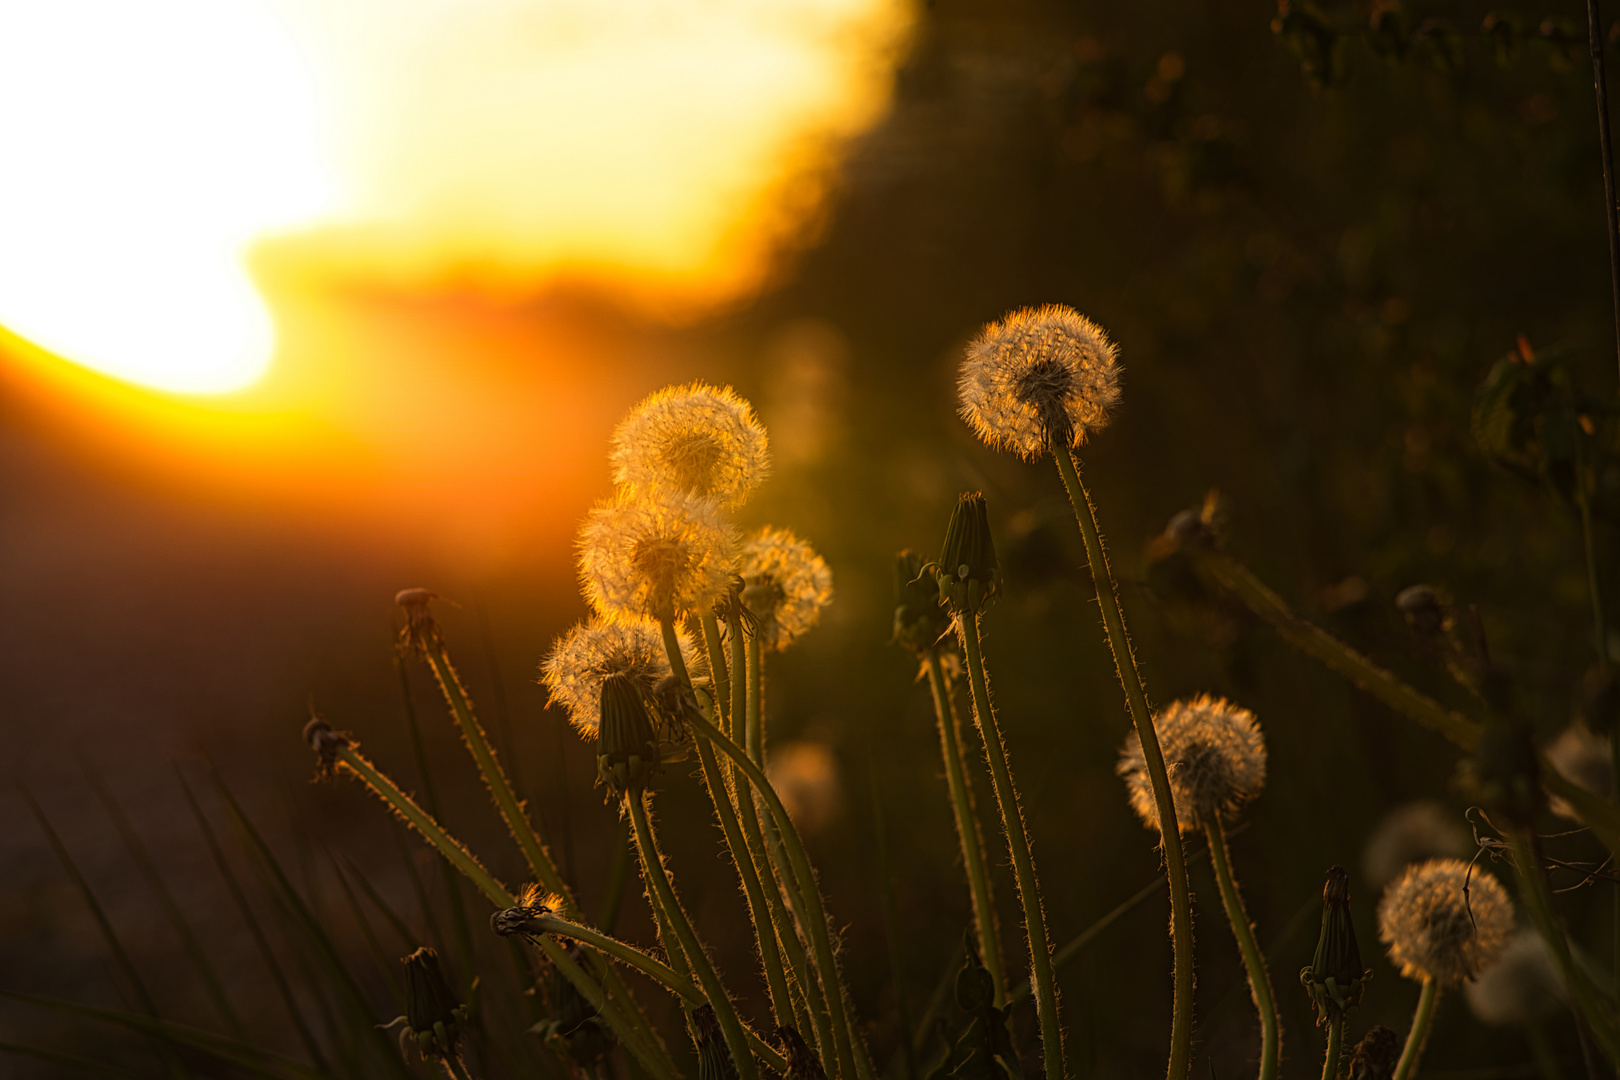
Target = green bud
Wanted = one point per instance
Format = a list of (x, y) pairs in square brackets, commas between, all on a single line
[(626, 747), (1335, 977), (966, 573), (714, 1058), (919, 618), (432, 1013)]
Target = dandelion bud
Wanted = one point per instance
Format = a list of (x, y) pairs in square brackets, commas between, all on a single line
[(714, 1057), (1216, 757), (696, 440), (802, 1061), (593, 650), (1584, 759), (626, 747), (1376, 1055), (1437, 931), (785, 585), (432, 1014), (421, 629), (1335, 978), (967, 574), (656, 555), (1521, 987), (1040, 378), (919, 618)]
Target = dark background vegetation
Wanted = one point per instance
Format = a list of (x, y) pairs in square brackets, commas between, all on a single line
[(1307, 283)]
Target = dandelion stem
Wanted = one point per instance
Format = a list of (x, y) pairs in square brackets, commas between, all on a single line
[(457, 1069), (967, 826), (717, 663), (1422, 1020), (618, 876), (1174, 860), (1012, 821), (756, 700), (739, 684), (815, 914), (1583, 499), (1330, 1062), (1254, 960), (652, 866)]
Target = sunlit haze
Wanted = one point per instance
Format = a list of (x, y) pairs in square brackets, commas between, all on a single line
[(662, 151)]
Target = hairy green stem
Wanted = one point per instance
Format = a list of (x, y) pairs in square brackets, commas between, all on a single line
[(756, 701), (967, 826), (1330, 1061), (1254, 960), (720, 677), (618, 876), (652, 866), (739, 684), (457, 1069), (1181, 933), (1422, 1020), (1012, 821)]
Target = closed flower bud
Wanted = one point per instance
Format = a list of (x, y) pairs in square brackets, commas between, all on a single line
[(1335, 977), (696, 439), (1216, 757), (626, 746), (326, 743), (1521, 987), (433, 1016), (802, 1061), (593, 650), (1376, 1055), (714, 1057), (1436, 931), (920, 620), (967, 574)]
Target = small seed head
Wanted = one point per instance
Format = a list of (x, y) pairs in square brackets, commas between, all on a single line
[(696, 440), (967, 573), (656, 555), (1216, 757), (1521, 987), (593, 650), (626, 744), (1434, 930), (1335, 977), (785, 585)]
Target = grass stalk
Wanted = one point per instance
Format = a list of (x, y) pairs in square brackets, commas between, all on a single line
[(967, 826), (1422, 1021), (1181, 932), (1254, 960)]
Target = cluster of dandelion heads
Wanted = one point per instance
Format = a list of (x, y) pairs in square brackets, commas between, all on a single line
[(1040, 378), (696, 439), (1436, 931), (655, 554), (593, 650), (785, 585), (1216, 757)]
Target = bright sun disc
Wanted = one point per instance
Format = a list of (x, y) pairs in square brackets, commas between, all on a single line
[(146, 145)]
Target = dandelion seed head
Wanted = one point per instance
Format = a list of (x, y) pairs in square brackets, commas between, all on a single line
[(1584, 758), (696, 439), (655, 554), (1436, 932), (785, 585), (1412, 833), (574, 669), (1039, 378), (1216, 757), (1521, 986)]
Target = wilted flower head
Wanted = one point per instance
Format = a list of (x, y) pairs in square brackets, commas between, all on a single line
[(1216, 757), (1412, 833), (1434, 931), (785, 585), (1376, 1055), (1584, 758), (1522, 986), (655, 554), (593, 650), (805, 776), (1039, 378), (920, 620), (697, 439)]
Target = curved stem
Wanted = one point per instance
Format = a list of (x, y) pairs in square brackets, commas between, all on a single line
[(1594, 29), (967, 826), (1181, 933), (652, 865), (1254, 960), (1422, 1020), (1012, 821), (1330, 1062)]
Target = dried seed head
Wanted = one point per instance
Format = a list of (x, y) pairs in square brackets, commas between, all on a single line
[(1435, 931), (433, 1016), (696, 439), (1426, 611), (1376, 1055), (1584, 758), (421, 629), (967, 573), (1216, 757), (532, 903), (785, 585), (1412, 833), (655, 555), (1521, 987), (593, 650), (1335, 976), (1039, 378), (626, 745), (326, 743)]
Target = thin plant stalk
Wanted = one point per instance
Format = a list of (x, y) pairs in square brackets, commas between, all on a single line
[(967, 826), (815, 914), (1012, 820), (1175, 866), (652, 867), (739, 683), (1330, 1061), (1422, 1020), (1594, 33), (1254, 960), (1583, 497), (891, 921), (756, 701), (457, 1070), (717, 663)]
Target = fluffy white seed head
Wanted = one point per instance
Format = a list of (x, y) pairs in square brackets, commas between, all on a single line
[(1412, 833), (696, 439), (1522, 986), (1584, 758), (1435, 931), (593, 650), (655, 553), (1216, 757), (1039, 378), (785, 585)]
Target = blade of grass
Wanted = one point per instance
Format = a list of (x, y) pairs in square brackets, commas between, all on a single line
[(407, 940), (390, 976), (56, 1057)]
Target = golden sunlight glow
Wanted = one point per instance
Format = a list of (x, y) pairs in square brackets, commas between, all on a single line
[(664, 151)]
